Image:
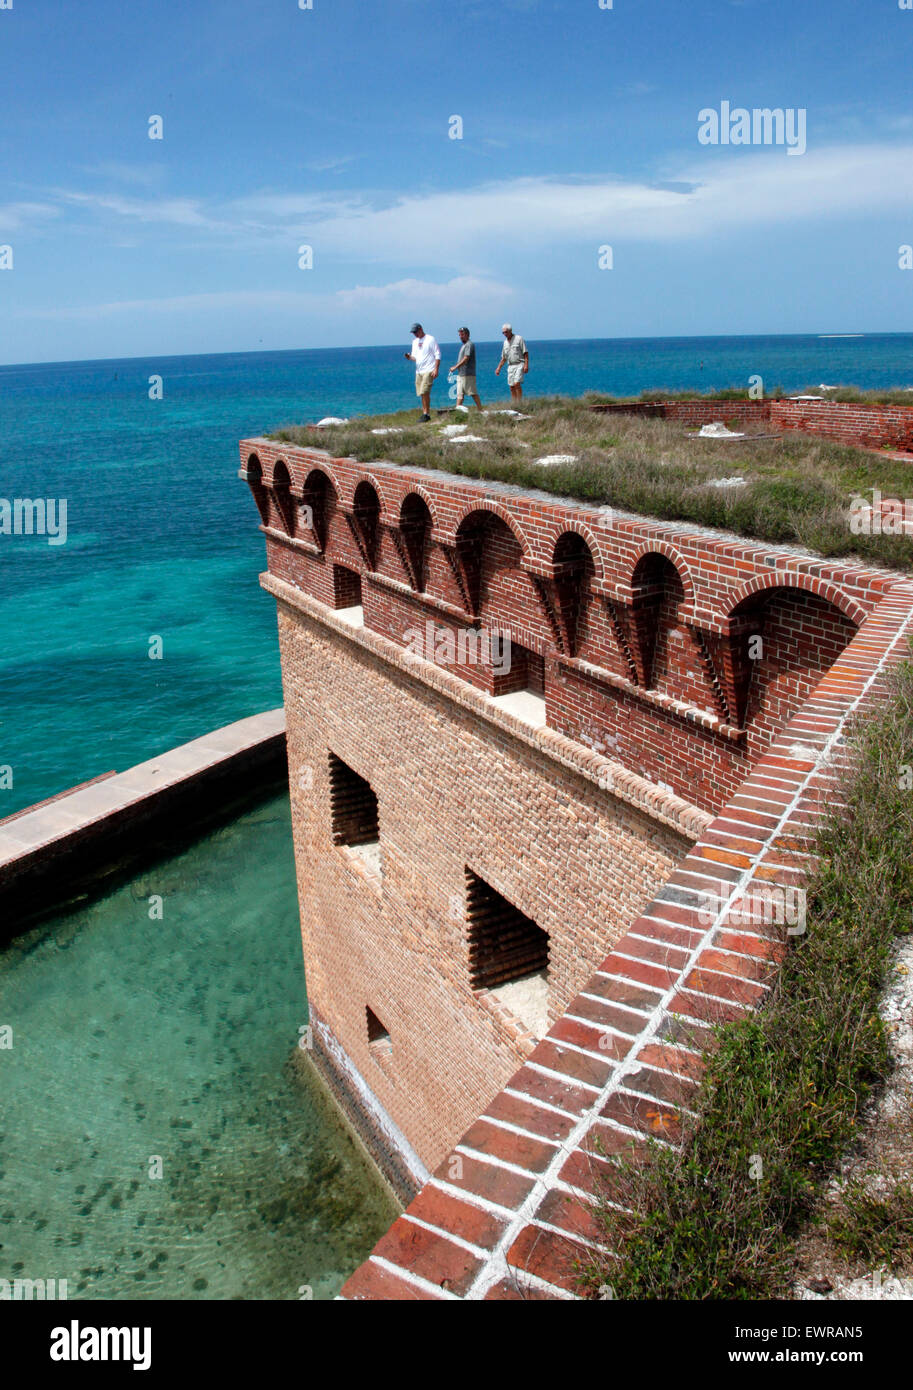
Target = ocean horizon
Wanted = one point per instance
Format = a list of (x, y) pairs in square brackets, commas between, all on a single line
[(147, 627)]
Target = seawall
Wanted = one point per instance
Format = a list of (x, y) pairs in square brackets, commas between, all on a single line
[(64, 846)]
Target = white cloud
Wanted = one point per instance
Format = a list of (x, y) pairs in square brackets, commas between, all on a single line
[(721, 192), (184, 212), (462, 292), (713, 193), (14, 216)]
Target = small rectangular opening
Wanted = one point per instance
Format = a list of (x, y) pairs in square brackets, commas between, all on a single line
[(508, 954), (526, 671), (346, 587), (353, 812), (521, 689), (379, 1039)]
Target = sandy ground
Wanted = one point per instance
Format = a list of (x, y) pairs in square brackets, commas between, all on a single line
[(527, 1000)]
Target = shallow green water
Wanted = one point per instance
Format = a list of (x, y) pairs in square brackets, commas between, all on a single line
[(136, 1039)]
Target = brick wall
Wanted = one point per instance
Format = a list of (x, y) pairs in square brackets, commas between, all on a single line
[(453, 792), (867, 426), (694, 413), (644, 632), (508, 1214)]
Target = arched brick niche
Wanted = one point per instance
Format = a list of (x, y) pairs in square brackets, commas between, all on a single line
[(282, 508), (415, 532), (366, 522), (658, 594), (258, 491), (489, 554), (784, 638), (318, 501), (574, 568)]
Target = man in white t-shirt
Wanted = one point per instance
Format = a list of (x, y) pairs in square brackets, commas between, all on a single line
[(427, 357)]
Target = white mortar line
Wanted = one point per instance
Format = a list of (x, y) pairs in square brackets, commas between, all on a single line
[(533, 1100), (473, 1199), (478, 1251), (517, 1129), (493, 1161), (596, 1027), (409, 1277), (560, 1076), (724, 950)]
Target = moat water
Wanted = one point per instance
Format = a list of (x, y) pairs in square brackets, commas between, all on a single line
[(146, 1045)]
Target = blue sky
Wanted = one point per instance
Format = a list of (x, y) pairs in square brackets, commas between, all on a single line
[(330, 127)]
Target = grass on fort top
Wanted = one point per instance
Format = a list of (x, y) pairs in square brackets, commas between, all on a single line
[(796, 489)]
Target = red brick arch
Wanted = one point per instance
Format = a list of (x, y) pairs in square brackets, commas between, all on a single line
[(510, 522), (416, 491), (586, 534), (270, 481), (822, 588), (319, 468), (674, 556), (257, 486), (348, 501)]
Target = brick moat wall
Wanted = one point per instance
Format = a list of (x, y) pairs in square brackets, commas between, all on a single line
[(452, 793)]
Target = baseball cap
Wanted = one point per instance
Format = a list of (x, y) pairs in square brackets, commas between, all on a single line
[(416, 328), (462, 330)]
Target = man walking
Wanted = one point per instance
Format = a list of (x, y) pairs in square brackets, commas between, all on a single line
[(427, 357), (465, 368), (516, 354)]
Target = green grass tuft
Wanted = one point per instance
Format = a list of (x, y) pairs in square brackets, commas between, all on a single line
[(874, 1227)]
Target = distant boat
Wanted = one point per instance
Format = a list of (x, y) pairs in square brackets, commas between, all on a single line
[(841, 335)]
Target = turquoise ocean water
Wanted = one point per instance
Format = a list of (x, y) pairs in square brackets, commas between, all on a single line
[(162, 537), (154, 1140)]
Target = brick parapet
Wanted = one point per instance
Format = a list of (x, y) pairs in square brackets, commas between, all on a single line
[(664, 690), (866, 425), (713, 565)]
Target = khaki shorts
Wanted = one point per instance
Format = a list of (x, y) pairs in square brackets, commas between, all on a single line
[(515, 375), (423, 382), (466, 386)]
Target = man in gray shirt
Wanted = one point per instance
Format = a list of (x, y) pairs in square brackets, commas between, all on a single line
[(465, 368), (516, 354)]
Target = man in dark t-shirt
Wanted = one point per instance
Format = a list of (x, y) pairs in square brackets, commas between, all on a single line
[(465, 368)]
